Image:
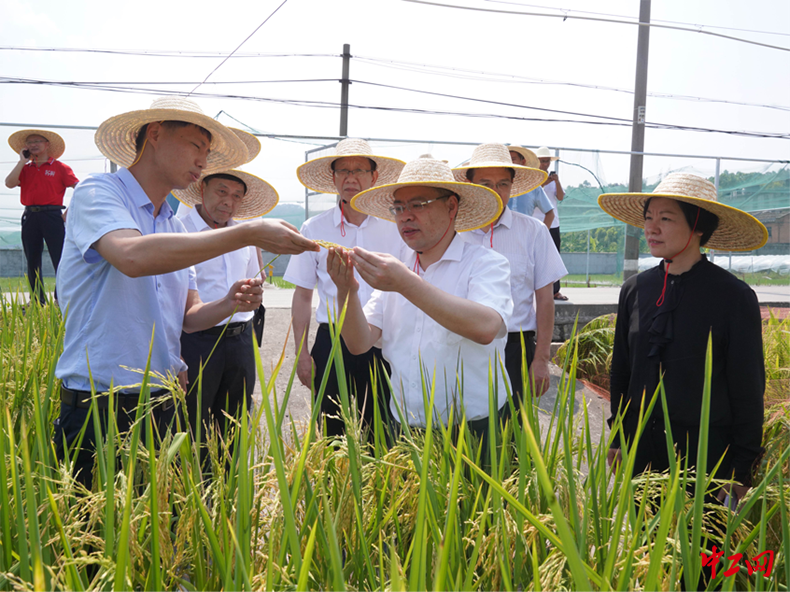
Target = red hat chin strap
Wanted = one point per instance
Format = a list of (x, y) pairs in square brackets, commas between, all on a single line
[(668, 262), (342, 220)]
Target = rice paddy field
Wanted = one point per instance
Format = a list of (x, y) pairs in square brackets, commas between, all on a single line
[(285, 509)]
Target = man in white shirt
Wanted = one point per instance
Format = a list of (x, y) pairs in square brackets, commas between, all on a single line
[(353, 168), (221, 360), (534, 265), (556, 194), (442, 313)]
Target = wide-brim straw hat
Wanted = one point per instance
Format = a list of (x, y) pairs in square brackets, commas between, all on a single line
[(252, 143), (737, 230), (543, 152), (260, 198), (529, 156), (116, 137), (57, 146), (497, 156), (478, 206), (316, 174)]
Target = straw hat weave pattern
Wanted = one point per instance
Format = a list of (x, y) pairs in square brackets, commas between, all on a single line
[(260, 198), (737, 230), (57, 146), (529, 156), (498, 156), (116, 137), (316, 174), (478, 206)]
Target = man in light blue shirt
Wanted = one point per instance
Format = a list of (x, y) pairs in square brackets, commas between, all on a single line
[(125, 281), (537, 198)]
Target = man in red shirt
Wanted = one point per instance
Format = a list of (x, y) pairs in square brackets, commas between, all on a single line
[(43, 180)]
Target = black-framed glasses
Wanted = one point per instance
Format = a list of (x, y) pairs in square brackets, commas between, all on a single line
[(353, 172), (414, 206)]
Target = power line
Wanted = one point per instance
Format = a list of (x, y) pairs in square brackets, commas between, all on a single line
[(163, 53), (332, 105), (266, 20), (597, 19), (466, 74), (694, 25)]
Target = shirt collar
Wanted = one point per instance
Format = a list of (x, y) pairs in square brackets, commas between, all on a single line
[(138, 196), (336, 218), (49, 161), (200, 223)]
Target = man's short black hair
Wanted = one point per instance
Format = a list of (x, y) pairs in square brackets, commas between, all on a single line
[(140, 139), (226, 177), (370, 160), (707, 224), (470, 174)]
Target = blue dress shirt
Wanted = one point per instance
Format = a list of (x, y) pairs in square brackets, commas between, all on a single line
[(527, 202), (111, 318)]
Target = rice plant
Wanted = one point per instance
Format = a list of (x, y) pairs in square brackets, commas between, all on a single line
[(287, 509)]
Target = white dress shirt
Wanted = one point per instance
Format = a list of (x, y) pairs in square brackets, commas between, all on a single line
[(551, 192), (308, 269), (410, 337), (216, 276), (534, 262)]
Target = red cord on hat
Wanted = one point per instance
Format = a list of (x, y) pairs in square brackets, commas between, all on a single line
[(342, 223), (492, 235), (668, 262)]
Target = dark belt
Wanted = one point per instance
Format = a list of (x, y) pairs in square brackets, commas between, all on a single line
[(43, 208), (127, 401), (232, 330), (516, 336)]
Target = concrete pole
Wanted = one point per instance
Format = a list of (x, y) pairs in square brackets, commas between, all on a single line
[(632, 234), (344, 91)]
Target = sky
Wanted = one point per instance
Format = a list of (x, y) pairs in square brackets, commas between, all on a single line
[(540, 62)]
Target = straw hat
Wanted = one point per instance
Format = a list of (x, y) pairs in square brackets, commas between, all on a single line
[(56, 144), (478, 207), (529, 156), (260, 198), (543, 152), (498, 155), (737, 230), (115, 138), (252, 143), (316, 174)]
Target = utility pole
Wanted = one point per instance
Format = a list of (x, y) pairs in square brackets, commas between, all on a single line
[(344, 82), (632, 234)]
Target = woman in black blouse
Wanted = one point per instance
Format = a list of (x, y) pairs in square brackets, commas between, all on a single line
[(665, 317)]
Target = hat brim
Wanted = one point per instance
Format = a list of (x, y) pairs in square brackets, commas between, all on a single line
[(737, 230), (57, 146), (252, 143), (478, 207), (525, 180), (529, 156), (116, 137), (259, 200), (317, 175)]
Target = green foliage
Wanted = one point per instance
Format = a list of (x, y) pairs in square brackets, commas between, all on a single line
[(285, 509), (593, 346)]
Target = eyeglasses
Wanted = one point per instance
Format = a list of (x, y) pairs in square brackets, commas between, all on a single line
[(343, 173), (415, 206), (34, 142)]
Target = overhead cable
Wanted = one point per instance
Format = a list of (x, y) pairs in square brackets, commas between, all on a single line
[(597, 19)]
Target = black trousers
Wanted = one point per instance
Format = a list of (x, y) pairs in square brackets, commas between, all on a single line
[(555, 236), (72, 418), (228, 376), (38, 227), (358, 370), (514, 361)]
